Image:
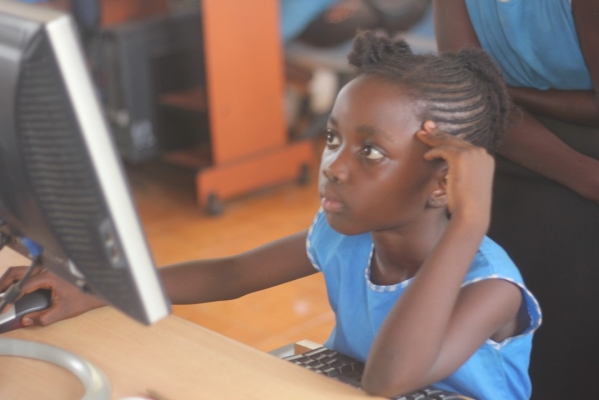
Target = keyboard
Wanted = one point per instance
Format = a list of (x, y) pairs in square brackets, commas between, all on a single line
[(348, 370)]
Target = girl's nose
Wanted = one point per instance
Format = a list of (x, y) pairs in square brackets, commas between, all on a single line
[(335, 168)]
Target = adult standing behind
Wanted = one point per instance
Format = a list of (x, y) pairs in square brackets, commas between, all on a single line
[(546, 195)]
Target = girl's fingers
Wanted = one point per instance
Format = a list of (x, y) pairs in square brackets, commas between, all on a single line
[(430, 126), (11, 275), (436, 153), (437, 138), (46, 317), (443, 146), (31, 318), (433, 136)]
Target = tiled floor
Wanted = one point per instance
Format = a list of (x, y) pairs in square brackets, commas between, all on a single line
[(178, 230)]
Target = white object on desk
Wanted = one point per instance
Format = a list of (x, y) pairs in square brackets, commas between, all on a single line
[(96, 384)]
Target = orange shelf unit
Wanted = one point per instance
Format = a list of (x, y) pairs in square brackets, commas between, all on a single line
[(245, 83)]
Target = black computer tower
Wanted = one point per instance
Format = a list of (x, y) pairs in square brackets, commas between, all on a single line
[(140, 61)]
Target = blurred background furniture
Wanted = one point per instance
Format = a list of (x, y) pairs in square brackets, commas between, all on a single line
[(217, 107), (322, 46)]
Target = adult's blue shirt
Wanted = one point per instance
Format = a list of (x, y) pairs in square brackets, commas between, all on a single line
[(534, 42)]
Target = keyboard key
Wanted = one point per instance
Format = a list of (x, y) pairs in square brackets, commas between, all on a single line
[(332, 372), (295, 357), (317, 365), (315, 351)]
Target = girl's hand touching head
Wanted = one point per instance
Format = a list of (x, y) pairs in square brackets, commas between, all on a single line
[(469, 178)]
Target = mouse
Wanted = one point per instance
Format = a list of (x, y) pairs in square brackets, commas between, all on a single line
[(34, 301)]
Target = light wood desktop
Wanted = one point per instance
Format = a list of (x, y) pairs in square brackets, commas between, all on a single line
[(174, 358)]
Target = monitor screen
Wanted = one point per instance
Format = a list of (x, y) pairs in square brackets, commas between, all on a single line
[(63, 192)]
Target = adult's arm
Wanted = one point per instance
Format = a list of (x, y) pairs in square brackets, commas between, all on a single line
[(530, 143), (575, 106), (454, 31)]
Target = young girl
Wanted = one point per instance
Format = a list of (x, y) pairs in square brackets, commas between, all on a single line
[(420, 294)]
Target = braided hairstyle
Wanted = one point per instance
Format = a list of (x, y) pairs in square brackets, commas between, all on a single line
[(462, 92)]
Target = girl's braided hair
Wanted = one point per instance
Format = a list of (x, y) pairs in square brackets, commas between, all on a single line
[(462, 92)]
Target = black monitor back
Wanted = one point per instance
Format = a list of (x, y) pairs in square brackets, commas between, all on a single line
[(62, 189)]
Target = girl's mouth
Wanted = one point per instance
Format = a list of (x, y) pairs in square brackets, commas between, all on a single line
[(330, 205)]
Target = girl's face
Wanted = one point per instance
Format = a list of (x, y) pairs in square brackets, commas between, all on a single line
[(373, 175)]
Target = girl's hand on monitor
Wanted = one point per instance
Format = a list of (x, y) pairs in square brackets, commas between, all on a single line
[(469, 177), (67, 300)]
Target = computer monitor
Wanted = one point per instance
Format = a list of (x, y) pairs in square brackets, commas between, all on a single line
[(63, 192)]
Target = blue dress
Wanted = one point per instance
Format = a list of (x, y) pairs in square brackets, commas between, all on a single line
[(497, 371)]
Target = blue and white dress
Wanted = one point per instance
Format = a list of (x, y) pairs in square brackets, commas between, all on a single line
[(497, 371)]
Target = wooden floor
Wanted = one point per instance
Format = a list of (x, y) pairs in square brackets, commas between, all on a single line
[(178, 230)]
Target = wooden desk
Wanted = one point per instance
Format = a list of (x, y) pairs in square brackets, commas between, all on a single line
[(175, 358)]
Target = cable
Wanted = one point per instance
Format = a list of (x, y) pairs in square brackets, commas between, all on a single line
[(4, 238)]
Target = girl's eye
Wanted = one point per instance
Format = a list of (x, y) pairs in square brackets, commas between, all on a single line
[(332, 139), (371, 153)]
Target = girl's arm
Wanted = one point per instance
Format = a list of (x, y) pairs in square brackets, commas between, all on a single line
[(530, 143), (228, 278), (193, 282), (436, 325)]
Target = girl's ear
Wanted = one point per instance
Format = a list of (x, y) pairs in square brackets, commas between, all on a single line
[(438, 197)]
